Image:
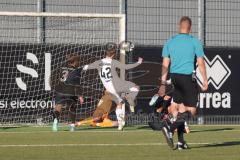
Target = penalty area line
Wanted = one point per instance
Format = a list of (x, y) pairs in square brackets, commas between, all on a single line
[(92, 145)]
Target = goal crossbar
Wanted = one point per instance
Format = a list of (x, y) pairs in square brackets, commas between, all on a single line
[(53, 14), (122, 23)]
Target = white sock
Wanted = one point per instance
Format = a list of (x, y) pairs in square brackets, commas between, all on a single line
[(119, 114)]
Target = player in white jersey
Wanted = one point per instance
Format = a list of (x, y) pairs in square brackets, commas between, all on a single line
[(116, 86)]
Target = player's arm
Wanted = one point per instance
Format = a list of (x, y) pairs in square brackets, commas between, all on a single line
[(201, 63), (128, 66), (94, 65), (203, 72), (164, 71), (165, 68), (165, 63)]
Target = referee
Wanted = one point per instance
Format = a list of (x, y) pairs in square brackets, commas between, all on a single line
[(179, 54)]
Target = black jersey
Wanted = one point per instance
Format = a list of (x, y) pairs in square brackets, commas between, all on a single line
[(66, 81), (71, 76)]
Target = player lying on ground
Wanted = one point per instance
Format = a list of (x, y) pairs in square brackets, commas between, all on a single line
[(67, 89), (163, 109), (117, 87), (100, 115)]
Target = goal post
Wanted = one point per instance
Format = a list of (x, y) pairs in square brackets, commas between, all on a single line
[(25, 61)]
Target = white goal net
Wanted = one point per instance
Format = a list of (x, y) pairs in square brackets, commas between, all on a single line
[(33, 50)]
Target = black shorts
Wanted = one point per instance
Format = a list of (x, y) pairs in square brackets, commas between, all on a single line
[(185, 89), (65, 100)]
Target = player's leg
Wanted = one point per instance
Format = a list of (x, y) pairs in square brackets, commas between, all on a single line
[(131, 96), (163, 122), (162, 111), (131, 90), (72, 115), (57, 111), (172, 125), (189, 94), (173, 110), (88, 121), (56, 115), (182, 108), (120, 116), (104, 107), (106, 122), (120, 110)]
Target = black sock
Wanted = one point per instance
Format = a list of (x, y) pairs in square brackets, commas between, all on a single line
[(182, 117), (176, 125), (180, 132), (56, 114), (73, 114)]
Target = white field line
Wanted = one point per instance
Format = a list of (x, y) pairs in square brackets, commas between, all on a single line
[(99, 131), (79, 131), (92, 145)]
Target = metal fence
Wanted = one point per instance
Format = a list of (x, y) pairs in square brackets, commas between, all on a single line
[(151, 22)]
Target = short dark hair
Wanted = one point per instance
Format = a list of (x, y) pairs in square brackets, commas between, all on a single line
[(110, 52), (186, 18), (73, 60)]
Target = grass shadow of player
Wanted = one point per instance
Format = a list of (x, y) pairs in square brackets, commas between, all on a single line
[(12, 127), (212, 130), (143, 128), (224, 144)]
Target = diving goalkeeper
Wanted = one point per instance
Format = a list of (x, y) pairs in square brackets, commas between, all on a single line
[(100, 116), (114, 84)]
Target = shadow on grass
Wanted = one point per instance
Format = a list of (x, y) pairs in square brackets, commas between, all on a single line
[(224, 144), (11, 127), (212, 130), (143, 127), (193, 131)]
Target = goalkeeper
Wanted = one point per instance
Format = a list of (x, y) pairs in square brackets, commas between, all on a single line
[(114, 84), (100, 115)]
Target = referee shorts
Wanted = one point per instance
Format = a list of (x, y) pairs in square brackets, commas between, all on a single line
[(185, 89)]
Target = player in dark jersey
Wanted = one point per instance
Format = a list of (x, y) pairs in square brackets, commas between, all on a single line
[(67, 89), (164, 113)]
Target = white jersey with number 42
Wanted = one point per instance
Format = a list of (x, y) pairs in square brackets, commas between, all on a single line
[(105, 73), (108, 74)]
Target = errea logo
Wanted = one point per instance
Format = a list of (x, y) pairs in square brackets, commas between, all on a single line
[(217, 72)]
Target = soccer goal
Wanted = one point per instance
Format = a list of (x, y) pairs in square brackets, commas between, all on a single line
[(34, 46)]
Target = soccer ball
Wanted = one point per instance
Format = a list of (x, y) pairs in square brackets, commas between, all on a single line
[(126, 46)]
